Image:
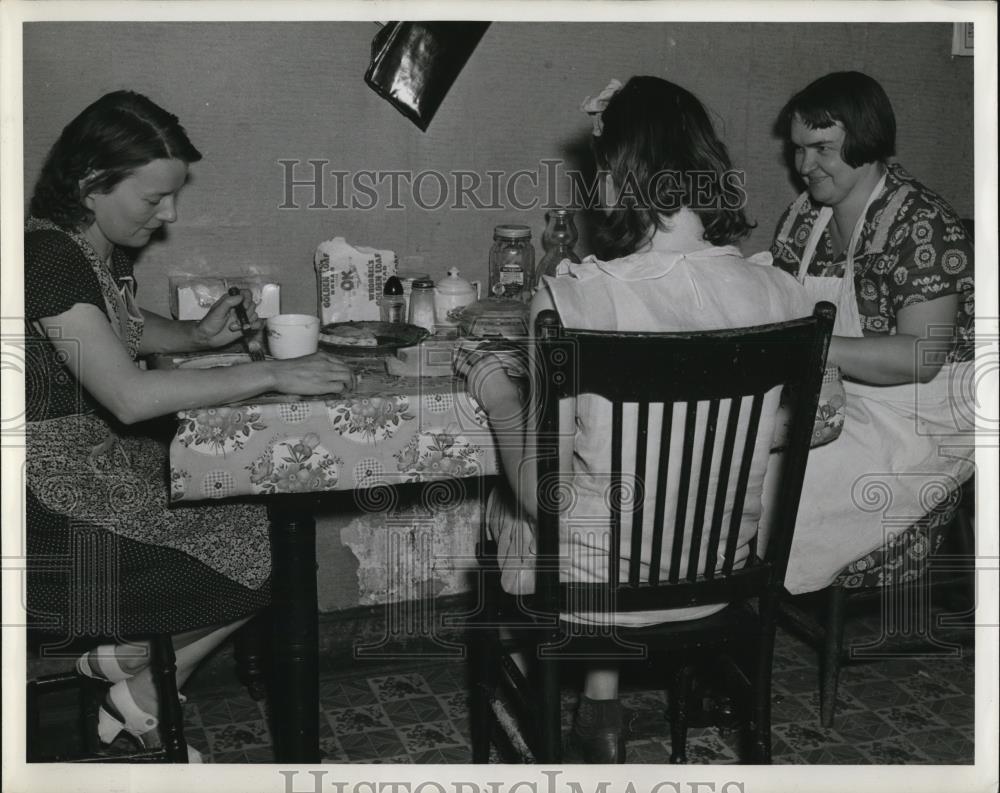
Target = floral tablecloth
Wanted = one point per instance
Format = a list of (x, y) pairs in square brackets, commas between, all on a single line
[(390, 430)]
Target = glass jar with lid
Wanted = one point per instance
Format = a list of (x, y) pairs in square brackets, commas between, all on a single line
[(512, 263)]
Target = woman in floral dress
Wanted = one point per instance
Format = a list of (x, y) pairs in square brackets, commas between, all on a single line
[(107, 555), (896, 260)]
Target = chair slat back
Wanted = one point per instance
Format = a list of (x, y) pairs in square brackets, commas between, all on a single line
[(688, 415)]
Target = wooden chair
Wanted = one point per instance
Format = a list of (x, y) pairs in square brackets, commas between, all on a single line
[(723, 377), (163, 667), (936, 552)]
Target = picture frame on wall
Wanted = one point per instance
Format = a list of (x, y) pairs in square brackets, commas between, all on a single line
[(961, 39)]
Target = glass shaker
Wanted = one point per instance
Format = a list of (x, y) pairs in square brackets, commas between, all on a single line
[(393, 306), (422, 303), (512, 263), (558, 240)]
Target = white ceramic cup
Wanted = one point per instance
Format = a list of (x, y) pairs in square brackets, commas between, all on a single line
[(292, 335)]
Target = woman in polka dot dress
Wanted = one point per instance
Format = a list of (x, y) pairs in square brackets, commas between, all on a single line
[(107, 555)]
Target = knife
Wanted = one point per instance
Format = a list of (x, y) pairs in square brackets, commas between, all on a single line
[(249, 339)]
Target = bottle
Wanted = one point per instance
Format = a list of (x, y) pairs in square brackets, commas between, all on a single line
[(422, 304), (512, 263), (393, 305), (558, 240)]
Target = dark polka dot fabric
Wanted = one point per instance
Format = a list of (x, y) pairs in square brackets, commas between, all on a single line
[(103, 562), (57, 276)]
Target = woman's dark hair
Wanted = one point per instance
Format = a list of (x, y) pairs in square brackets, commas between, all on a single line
[(661, 149), (856, 101), (117, 134)]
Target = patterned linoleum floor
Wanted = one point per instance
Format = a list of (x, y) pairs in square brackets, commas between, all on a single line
[(908, 709)]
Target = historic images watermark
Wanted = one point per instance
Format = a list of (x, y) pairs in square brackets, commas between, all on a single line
[(321, 781), (313, 184)]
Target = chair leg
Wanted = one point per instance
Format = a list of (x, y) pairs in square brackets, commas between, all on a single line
[(680, 691), (761, 705), (484, 654), (250, 648), (964, 532), (485, 674), (33, 726), (164, 671), (833, 643), (551, 727)]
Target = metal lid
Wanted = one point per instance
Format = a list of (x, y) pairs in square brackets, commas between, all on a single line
[(423, 282), (512, 231)]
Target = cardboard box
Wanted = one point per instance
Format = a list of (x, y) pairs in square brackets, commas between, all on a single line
[(192, 296)]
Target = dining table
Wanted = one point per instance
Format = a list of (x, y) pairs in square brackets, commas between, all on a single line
[(390, 430)]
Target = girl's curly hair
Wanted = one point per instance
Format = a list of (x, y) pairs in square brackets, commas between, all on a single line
[(117, 134), (661, 150)]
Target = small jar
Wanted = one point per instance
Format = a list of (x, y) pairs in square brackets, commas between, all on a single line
[(393, 307), (422, 304), (512, 263)]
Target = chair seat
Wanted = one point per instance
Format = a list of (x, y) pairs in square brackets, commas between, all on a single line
[(734, 623)]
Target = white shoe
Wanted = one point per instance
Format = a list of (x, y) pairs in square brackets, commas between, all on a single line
[(108, 668), (137, 722)]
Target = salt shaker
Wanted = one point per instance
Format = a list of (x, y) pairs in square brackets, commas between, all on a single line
[(422, 303)]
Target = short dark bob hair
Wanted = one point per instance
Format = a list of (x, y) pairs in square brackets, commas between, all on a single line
[(856, 101), (117, 134), (661, 149)]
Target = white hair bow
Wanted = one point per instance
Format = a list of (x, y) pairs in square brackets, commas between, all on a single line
[(595, 105)]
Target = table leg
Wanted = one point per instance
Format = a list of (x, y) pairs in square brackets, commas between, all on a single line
[(295, 613)]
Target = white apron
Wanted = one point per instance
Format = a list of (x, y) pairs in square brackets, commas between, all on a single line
[(902, 450)]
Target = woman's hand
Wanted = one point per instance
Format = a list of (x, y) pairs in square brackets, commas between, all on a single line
[(220, 326), (319, 373)]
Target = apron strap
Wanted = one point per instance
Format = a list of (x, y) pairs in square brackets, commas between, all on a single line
[(822, 221), (852, 246)]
